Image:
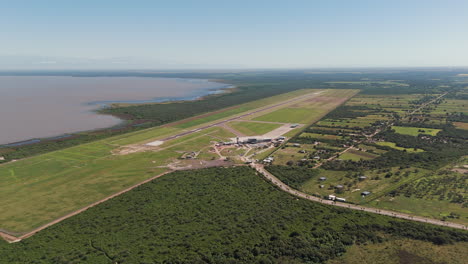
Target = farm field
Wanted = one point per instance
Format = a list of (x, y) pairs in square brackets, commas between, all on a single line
[(415, 131), (397, 251), (394, 146), (36, 190), (461, 125), (357, 155)]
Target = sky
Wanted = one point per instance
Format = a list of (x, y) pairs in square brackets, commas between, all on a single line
[(216, 34)]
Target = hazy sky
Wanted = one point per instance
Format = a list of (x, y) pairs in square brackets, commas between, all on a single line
[(232, 34)]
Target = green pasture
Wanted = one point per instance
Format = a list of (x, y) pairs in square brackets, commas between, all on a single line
[(393, 145), (356, 155), (423, 207), (415, 131), (253, 128), (320, 136)]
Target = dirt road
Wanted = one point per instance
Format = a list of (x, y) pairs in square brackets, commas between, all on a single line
[(12, 239), (286, 188)]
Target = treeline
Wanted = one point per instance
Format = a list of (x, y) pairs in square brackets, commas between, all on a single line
[(217, 215), (347, 111), (168, 112), (293, 176)]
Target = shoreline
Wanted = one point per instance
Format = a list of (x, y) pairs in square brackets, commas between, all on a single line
[(126, 121)]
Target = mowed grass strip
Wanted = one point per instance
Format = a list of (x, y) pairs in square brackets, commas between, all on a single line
[(415, 131), (245, 107), (356, 155), (290, 115), (394, 146), (253, 128)]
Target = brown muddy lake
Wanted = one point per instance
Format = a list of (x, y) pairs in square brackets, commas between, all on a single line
[(48, 106)]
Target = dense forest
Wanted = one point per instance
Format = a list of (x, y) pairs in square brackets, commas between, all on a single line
[(217, 215)]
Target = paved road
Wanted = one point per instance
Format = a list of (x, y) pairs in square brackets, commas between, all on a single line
[(299, 98), (260, 168)]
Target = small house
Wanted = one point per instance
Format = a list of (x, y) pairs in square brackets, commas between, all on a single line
[(340, 199), (339, 186), (361, 178), (323, 178), (365, 193), (331, 197)]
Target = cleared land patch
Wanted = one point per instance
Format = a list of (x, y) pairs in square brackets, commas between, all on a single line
[(461, 125), (415, 131), (393, 145), (356, 155)]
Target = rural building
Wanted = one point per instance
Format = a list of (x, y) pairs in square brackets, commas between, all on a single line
[(323, 178), (340, 199), (331, 197), (361, 178), (365, 193), (339, 186)]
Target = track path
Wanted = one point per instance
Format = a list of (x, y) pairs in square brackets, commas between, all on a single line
[(12, 239), (260, 168)]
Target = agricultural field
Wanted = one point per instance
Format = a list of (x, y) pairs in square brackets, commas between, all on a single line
[(415, 131), (394, 146), (461, 125), (357, 155)]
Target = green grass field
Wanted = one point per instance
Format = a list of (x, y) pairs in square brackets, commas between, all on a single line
[(393, 145), (423, 207), (245, 107), (415, 131), (253, 128), (398, 251), (291, 115), (356, 155)]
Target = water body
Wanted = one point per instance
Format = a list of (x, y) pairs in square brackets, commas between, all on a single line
[(49, 106)]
